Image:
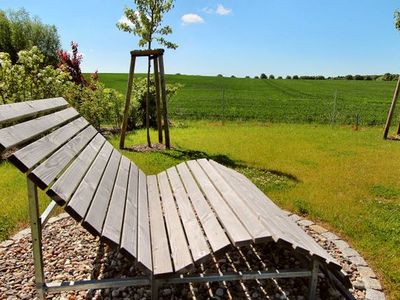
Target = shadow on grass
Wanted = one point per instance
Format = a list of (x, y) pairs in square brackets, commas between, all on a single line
[(188, 154)]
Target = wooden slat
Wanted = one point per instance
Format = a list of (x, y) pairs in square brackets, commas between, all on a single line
[(129, 238), (144, 256), (16, 111), (279, 223), (29, 156), (234, 228), (80, 201), (46, 172), (212, 228), (115, 215), (267, 209), (179, 249), (194, 234), (247, 217), (96, 215), (159, 242), (23, 132), (62, 190), (241, 189)]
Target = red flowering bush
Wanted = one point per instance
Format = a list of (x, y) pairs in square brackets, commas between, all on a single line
[(71, 63)]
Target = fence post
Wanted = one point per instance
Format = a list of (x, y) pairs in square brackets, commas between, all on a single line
[(357, 120), (334, 108), (223, 106)]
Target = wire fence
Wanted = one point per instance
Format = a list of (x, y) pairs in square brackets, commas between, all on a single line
[(230, 104)]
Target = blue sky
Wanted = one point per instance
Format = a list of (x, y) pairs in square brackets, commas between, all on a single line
[(238, 37)]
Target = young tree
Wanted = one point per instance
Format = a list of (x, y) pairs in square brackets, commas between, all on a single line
[(146, 23)]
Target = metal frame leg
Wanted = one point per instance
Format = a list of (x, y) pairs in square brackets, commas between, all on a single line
[(155, 286), (36, 232), (312, 293)]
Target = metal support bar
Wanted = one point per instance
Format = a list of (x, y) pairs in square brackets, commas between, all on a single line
[(36, 231), (155, 287), (180, 279), (48, 212), (97, 284), (344, 291), (312, 292), (236, 276)]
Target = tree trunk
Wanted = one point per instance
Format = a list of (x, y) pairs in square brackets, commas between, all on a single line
[(148, 100)]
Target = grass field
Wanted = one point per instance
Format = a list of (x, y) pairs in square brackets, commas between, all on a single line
[(287, 101), (346, 180)]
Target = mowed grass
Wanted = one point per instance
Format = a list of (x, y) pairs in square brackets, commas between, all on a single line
[(288, 101), (14, 212), (344, 179)]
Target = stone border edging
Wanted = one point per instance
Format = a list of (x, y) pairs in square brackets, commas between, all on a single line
[(367, 281)]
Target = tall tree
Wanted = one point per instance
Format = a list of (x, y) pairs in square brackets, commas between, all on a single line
[(397, 19), (18, 31), (146, 22)]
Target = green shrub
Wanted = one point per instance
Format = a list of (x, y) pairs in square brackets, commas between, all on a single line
[(19, 31), (29, 79), (137, 114)]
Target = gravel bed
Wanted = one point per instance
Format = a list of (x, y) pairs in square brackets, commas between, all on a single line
[(71, 253)]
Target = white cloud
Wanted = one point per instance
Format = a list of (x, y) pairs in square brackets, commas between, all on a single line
[(222, 11), (125, 20), (191, 19), (208, 10)]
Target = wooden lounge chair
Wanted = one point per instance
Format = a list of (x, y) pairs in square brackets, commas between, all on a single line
[(165, 223)]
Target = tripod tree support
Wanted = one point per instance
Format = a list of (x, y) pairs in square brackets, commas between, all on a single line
[(391, 111), (161, 92)]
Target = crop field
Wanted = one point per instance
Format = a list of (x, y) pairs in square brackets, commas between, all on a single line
[(278, 101)]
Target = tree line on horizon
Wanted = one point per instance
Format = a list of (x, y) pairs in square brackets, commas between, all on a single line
[(384, 77)]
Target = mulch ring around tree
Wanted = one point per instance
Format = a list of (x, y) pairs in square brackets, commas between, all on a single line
[(146, 148), (71, 253)]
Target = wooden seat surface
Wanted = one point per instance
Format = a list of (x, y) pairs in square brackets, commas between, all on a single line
[(167, 222)]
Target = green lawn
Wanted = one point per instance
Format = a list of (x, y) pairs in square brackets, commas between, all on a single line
[(282, 101), (347, 180)]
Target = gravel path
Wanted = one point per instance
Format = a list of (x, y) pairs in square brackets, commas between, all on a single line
[(70, 253)]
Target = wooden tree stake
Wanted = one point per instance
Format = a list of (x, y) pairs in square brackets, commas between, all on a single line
[(127, 102), (158, 106), (161, 94), (164, 102), (391, 110)]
